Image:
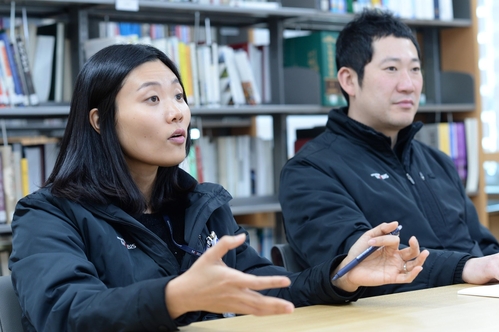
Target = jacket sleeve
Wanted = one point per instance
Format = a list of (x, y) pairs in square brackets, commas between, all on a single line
[(487, 242), (59, 288), (323, 220), (310, 287)]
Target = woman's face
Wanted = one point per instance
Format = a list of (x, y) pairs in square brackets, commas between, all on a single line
[(152, 118)]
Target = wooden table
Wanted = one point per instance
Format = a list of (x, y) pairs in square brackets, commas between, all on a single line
[(436, 309)]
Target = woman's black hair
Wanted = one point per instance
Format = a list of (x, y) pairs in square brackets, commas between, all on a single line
[(91, 167)]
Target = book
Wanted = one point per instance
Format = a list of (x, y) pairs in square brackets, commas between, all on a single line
[(18, 96), (247, 77), (26, 71), (56, 55), (486, 291), (473, 161), (42, 66), (316, 51), (232, 74), (195, 75), (34, 157), (209, 160), (8, 181), (6, 77), (3, 211)]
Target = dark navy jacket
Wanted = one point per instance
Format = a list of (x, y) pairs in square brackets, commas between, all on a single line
[(95, 268), (349, 179)]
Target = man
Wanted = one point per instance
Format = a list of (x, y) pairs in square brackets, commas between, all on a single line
[(366, 168)]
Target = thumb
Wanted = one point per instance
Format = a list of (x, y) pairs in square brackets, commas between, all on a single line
[(225, 244)]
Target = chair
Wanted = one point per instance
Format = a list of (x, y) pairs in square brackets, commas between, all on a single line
[(10, 310), (283, 255)]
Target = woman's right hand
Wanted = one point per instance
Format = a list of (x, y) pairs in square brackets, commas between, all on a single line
[(209, 285)]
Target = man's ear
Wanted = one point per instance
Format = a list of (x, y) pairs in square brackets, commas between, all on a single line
[(347, 78), (93, 117)]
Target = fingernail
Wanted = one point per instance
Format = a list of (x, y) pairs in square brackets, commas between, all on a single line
[(371, 242)]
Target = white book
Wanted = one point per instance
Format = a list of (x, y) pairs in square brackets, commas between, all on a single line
[(214, 97), (209, 159), (34, 157), (4, 261), (243, 165), (42, 66), (247, 78), (204, 71), (50, 152), (446, 12), (236, 89), (16, 159), (162, 45), (227, 166), (195, 74), (472, 148), (9, 185), (59, 62), (262, 161)]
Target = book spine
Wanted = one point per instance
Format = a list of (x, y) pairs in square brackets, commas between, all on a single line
[(26, 71), (3, 212), (18, 90)]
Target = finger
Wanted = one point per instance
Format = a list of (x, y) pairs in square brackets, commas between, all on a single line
[(260, 283), (254, 303), (383, 229), (412, 251), (409, 276), (225, 244), (385, 240), (418, 261)]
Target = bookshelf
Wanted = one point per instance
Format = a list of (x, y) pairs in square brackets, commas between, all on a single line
[(442, 41)]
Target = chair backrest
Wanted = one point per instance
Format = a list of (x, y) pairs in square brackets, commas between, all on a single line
[(10, 310), (283, 255)]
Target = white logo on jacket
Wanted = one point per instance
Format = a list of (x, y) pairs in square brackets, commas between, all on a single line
[(380, 176), (128, 246)]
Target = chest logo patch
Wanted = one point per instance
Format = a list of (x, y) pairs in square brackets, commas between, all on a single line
[(380, 176), (128, 246)]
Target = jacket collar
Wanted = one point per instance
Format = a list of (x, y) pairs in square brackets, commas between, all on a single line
[(202, 201), (341, 124)]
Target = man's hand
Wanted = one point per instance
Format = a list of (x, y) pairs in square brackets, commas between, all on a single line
[(481, 270), (384, 266)]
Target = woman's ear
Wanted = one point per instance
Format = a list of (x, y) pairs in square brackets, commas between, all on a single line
[(347, 78), (93, 117)]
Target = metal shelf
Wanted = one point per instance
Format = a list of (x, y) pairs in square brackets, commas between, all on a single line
[(254, 204), (428, 108), (47, 111), (5, 229)]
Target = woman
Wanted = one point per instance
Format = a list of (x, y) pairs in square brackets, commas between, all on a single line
[(119, 237)]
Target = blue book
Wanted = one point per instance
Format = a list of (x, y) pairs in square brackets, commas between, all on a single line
[(19, 97)]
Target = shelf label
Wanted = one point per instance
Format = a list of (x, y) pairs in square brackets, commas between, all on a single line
[(128, 5)]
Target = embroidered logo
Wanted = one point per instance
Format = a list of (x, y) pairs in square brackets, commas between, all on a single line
[(128, 246), (380, 176)]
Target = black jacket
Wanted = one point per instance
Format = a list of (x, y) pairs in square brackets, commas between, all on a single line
[(349, 179), (95, 268)]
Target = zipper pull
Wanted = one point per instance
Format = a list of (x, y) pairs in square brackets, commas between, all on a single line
[(410, 178), (421, 176)]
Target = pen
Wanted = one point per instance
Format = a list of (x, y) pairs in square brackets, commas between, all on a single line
[(361, 257)]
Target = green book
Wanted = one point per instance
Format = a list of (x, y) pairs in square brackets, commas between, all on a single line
[(317, 52)]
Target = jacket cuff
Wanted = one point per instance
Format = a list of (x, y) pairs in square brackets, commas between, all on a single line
[(339, 293), (458, 272), (153, 310)]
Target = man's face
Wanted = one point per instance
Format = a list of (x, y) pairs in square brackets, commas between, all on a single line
[(391, 87)]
